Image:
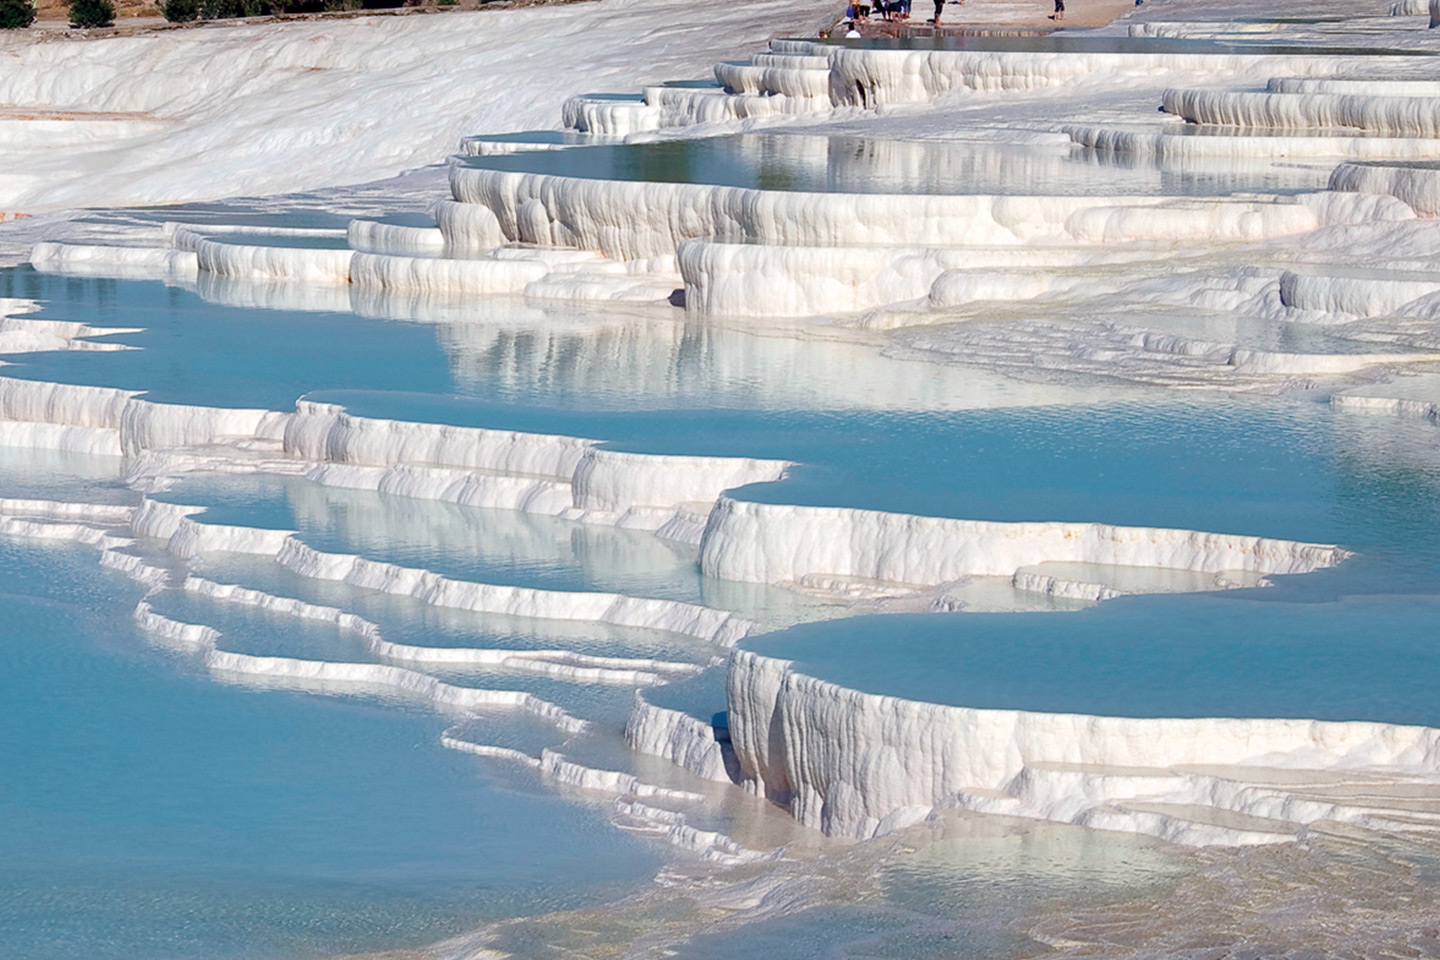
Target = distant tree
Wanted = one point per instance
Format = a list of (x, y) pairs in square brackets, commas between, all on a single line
[(15, 14), (91, 13), (221, 9), (180, 11)]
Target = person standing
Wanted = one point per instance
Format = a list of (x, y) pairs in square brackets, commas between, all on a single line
[(939, 9), (1059, 13)]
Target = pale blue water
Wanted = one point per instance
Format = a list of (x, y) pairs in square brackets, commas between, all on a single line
[(955, 895), (1212, 655), (853, 165), (1356, 642), (495, 546), (280, 240), (1273, 467), (150, 812), (223, 356), (556, 138), (241, 822)]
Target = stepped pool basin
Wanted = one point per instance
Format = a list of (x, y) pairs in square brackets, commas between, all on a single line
[(1355, 658), (171, 816), (1086, 42), (1049, 166), (1018, 454), (966, 496)]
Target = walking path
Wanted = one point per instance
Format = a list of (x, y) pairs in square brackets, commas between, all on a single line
[(1032, 14)]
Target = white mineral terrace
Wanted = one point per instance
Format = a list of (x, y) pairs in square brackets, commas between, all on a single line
[(1157, 287), (855, 764)]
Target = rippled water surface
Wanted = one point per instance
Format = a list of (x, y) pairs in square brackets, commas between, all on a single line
[(161, 814)]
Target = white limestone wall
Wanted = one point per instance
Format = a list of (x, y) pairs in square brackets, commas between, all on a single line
[(675, 736), (782, 543), (1396, 116), (1173, 149), (758, 79), (1417, 186), (249, 261), (324, 676), (665, 108), (732, 279), (609, 116), (1393, 87), (21, 333), (468, 228), (678, 107), (861, 77), (327, 433), (60, 403), (614, 480), (859, 765), (1353, 295), (1393, 406), (562, 664), (435, 276), (162, 263), (102, 418), (372, 236), (627, 220)]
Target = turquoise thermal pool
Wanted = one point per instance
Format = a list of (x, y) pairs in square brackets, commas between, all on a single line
[(855, 165), (945, 496)]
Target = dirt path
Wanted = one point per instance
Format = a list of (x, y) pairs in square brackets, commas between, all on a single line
[(1029, 14)]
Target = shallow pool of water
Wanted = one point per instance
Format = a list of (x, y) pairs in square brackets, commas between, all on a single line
[(161, 814), (853, 165), (1085, 42), (246, 821), (1213, 655)]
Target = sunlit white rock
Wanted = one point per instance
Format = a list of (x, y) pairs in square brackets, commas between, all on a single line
[(1418, 185), (779, 543), (560, 664), (162, 263), (676, 736), (857, 764), (373, 236), (625, 220), (1388, 115)]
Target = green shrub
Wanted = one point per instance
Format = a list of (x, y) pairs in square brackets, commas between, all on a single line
[(91, 13), (15, 14), (180, 11), (224, 9)]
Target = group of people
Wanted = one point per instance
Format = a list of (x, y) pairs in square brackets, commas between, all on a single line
[(858, 12)]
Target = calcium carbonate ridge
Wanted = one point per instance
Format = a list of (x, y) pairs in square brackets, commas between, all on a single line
[(560, 664), (857, 764), (779, 543), (324, 676)]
